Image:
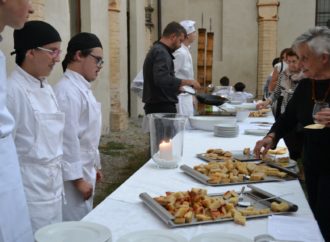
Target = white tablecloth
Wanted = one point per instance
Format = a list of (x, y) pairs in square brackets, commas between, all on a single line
[(123, 212)]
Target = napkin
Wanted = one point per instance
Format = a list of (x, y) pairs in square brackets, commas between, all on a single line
[(293, 228)]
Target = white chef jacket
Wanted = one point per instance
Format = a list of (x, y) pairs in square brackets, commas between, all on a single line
[(241, 97), (15, 223), (81, 139), (183, 67), (38, 136)]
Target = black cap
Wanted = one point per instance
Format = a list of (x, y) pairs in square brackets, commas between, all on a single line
[(34, 34), (83, 41)]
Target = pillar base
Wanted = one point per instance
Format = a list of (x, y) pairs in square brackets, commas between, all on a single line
[(118, 120)]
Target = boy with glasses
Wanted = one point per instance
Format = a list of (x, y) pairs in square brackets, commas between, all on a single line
[(81, 160), (38, 133)]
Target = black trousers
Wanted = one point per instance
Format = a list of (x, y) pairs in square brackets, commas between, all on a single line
[(318, 190)]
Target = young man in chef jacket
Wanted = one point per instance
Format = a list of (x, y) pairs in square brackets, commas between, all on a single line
[(81, 160), (15, 223), (184, 69), (38, 132)]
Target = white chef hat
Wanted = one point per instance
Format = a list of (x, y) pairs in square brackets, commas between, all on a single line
[(189, 26)]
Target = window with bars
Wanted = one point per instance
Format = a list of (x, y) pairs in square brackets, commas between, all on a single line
[(322, 13)]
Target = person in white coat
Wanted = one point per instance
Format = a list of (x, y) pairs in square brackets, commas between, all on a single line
[(38, 132), (184, 69), (15, 223), (81, 160)]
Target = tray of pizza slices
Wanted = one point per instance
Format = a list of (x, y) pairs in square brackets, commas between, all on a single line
[(196, 207), (234, 172)]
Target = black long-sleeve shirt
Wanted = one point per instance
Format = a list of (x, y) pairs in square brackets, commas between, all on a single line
[(316, 151), (160, 84)]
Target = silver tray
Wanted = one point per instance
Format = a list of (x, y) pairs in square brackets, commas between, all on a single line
[(250, 158), (204, 179), (237, 155), (253, 195)]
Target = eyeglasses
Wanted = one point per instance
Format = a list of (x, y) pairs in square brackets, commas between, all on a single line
[(99, 60), (53, 53)]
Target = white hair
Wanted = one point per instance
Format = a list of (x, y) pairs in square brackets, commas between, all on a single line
[(317, 39)]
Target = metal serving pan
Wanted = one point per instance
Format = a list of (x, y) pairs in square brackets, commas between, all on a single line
[(238, 155), (253, 195), (204, 179)]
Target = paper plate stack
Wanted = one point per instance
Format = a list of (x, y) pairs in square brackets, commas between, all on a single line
[(226, 130)]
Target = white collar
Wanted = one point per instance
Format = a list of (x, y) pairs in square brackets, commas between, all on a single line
[(33, 82), (79, 79)]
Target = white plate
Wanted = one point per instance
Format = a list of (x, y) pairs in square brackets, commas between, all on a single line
[(291, 163), (207, 122), (152, 236), (259, 132), (220, 237), (77, 231), (235, 102)]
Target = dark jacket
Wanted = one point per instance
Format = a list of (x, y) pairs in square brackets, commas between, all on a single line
[(160, 84), (316, 154)]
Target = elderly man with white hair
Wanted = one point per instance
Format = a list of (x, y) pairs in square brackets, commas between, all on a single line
[(313, 49), (183, 66)]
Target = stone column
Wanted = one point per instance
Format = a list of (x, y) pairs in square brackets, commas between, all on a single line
[(118, 116), (39, 10), (267, 39)]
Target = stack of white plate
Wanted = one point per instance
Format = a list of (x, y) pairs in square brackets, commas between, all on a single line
[(226, 130)]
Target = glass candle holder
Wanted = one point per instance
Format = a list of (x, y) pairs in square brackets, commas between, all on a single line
[(166, 138)]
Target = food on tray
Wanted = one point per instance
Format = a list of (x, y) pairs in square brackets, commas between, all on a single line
[(259, 113), (246, 151), (280, 207), (235, 171), (238, 217), (196, 204), (283, 161), (218, 154), (278, 151)]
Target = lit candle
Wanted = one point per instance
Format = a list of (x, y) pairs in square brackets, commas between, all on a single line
[(165, 150)]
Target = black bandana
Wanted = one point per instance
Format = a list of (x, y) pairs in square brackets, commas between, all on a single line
[(83, 41), (34, 34)]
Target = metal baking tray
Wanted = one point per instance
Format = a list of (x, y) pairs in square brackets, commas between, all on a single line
[(238, 155), (253, 195), (204, 179)]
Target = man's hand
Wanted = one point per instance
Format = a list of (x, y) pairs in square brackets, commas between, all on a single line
[(99, 175), (323, 117), (263, 104), (262, 146), (84, 187), (194, 84)]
